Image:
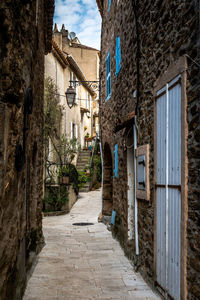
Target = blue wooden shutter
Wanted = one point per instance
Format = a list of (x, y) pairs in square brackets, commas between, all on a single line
[(118, 55), (109, 5), (116, 161), (108, 77)]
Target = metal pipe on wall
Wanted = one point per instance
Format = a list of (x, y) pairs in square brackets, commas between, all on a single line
[(135, 182), (135, 9), (101, 171)]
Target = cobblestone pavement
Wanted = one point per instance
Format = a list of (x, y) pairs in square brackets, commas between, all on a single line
[(83, 263)]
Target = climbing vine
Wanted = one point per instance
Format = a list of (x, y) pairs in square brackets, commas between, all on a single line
[(59, 150)]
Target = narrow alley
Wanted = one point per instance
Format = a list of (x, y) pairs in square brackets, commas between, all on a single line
[(99, 94), (83, 262)]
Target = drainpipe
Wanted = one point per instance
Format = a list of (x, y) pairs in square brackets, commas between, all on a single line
[(135, 198), (101, 172), (135, 9)]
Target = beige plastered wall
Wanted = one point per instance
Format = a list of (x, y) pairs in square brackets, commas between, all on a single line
[(61, 77), (88, 59)]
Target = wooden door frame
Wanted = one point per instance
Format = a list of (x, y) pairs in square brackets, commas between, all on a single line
[(175, 69)]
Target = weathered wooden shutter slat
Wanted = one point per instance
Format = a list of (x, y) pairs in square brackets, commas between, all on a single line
[(116, 161), (108, 76), (118, 55), (71, 130)]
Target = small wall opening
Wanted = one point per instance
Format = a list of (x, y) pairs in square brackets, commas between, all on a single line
[(107, 181)]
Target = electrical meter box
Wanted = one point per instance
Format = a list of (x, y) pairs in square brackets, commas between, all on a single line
[(141, 178), (142, 164)]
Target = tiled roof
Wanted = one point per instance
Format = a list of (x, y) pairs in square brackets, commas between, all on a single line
[(59, 54), (69, 60), (76, 45)]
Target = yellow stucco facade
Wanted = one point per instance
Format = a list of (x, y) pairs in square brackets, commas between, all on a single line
[(77, 63)]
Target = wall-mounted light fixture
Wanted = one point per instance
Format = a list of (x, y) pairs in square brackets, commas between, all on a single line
[(70, 96), (71, 91)]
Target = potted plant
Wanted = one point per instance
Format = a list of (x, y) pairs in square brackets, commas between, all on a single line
[(88, 138), (64, 179), (64, 175)]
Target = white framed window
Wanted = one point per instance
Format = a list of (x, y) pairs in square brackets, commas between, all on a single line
[(86, 99), (77, 93)]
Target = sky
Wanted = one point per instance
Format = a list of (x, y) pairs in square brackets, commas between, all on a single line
[(81, 17)]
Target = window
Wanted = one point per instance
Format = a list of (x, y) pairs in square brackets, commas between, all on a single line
[(116, 161), (86, 99), (73, 78), (90, 104), (109, 5), (118, 55), (77, 92), (74, 132), (108, 77)]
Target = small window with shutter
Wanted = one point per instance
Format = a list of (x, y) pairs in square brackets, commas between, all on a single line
[(116, 161), (118, 55), (108, 77), (109, 5)]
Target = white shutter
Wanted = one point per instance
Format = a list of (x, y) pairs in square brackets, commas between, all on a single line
[(86, 105), (71, 76), (77, 94), (65, 131), (71, 130), (76, 131), (90, 105)]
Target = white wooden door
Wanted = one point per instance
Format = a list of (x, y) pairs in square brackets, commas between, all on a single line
[(168, 186)]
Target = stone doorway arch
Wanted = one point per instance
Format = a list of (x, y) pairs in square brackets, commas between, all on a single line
[(107, 181)]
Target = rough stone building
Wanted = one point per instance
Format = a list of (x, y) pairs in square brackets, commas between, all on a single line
[(149, 115), (26, 34)]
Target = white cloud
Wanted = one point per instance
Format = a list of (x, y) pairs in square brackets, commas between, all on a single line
[(82, 17)]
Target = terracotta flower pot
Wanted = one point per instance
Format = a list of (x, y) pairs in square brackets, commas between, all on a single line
[(64, 180)]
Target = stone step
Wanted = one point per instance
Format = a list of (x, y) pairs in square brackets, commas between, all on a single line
[(85, 152), (83, 190), (82, 165), (84, 158), (85, 161)]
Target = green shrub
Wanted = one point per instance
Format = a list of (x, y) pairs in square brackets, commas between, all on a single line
[(83, 177), (98, 167), (55, 198)]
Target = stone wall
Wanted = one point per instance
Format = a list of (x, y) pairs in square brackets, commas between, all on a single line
[(25, 37), (167, 30)]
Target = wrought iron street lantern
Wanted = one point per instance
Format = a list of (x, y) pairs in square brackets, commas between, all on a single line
[(71, 91), (70, 96)]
